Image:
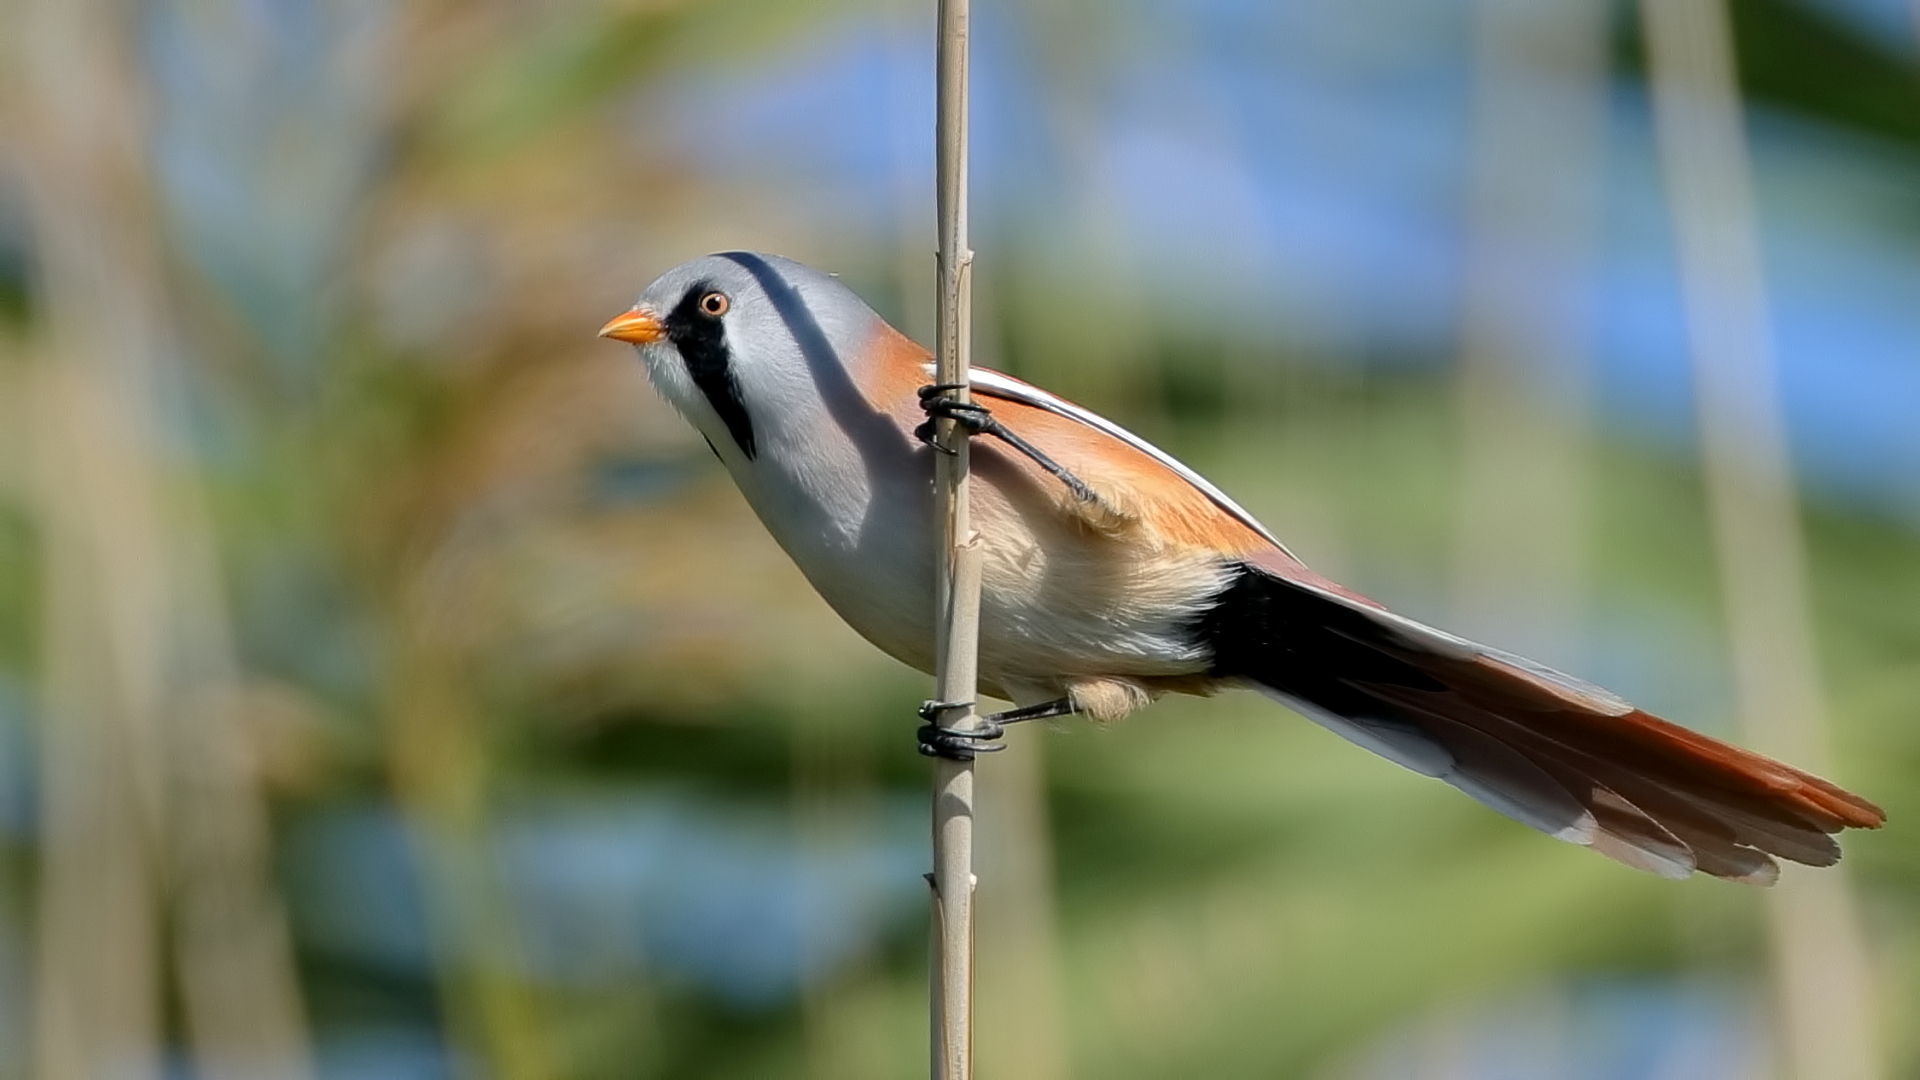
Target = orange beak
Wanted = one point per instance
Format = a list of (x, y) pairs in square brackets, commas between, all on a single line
[(638, 327)]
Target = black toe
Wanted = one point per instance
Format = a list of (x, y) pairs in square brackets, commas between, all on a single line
[(958, 745)]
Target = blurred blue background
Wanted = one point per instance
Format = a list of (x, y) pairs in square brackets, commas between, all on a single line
[(390, 686)]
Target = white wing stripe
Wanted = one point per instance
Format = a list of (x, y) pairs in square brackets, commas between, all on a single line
[(995, 384)]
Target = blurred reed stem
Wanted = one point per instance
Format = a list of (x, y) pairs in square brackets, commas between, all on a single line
[(834, 808), (16, 496), (98, 950), (1521, 388), (439, 769), (1094, 339), (1822, 975), (150, 806)]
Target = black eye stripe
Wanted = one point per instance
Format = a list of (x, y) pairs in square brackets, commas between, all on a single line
[(702, 341)]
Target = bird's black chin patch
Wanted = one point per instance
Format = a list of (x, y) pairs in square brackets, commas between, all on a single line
[(702, 341)]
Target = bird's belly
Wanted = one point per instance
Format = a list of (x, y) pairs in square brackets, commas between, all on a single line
[(1057, 600)]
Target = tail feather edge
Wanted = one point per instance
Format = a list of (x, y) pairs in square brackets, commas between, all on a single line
[(1548, 750)]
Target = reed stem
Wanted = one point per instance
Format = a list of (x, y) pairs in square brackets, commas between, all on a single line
[(958, 588)]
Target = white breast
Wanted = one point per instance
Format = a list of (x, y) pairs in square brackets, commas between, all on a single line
[(1057, 599)]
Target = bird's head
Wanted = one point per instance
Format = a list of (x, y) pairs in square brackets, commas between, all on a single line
[(729, 338)]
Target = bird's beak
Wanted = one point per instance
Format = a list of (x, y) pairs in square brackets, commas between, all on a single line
[(638, 326)]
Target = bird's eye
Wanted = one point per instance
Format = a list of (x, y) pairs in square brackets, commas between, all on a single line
[(714, 303)]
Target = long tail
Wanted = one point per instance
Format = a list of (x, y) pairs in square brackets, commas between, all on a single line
[(1545, 749)]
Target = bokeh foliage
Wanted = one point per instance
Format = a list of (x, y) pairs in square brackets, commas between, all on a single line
[(568, 772)]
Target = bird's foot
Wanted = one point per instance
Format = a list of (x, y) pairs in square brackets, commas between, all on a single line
[(937, 401), (955, 744), (975, 419), (938, 740)]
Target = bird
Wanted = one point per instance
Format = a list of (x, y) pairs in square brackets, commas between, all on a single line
[(1112, 574)]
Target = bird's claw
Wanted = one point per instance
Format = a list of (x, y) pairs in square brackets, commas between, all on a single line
[(938, 391), (954, 744), (973, 418), (930, 710), (977, 419)]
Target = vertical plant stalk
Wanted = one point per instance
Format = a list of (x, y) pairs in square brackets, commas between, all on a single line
[(151, 808), (1522, 381), (958, 590), (1821, 972), (440, 778)]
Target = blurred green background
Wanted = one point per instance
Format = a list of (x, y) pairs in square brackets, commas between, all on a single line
[(391, 687)]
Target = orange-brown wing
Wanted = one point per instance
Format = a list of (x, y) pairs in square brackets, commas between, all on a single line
[(1141, 481), (1176, 501)]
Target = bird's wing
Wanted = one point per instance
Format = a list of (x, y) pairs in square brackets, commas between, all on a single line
[(994, 384)]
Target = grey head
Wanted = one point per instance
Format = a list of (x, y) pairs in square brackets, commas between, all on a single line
[(734, 338)]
